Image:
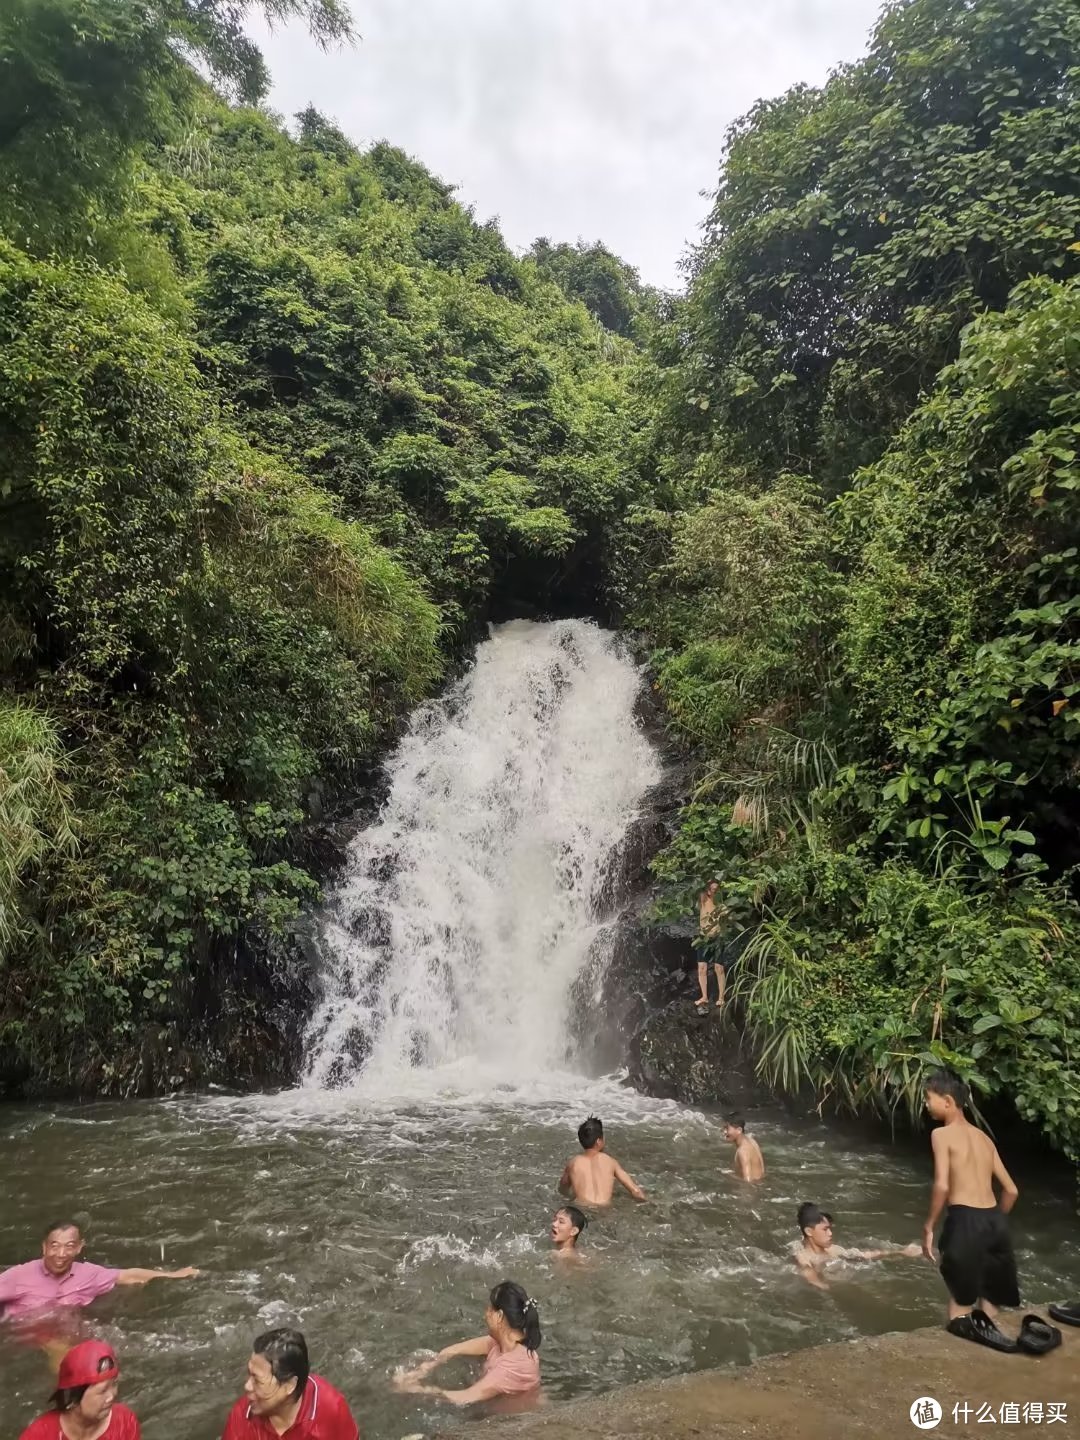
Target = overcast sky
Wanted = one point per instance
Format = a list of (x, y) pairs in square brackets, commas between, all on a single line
[(591, 119)]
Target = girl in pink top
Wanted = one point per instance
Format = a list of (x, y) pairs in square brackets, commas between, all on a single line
[(509, 1351)]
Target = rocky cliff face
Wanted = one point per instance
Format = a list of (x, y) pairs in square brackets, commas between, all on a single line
[(701, 1060), (638, 994)]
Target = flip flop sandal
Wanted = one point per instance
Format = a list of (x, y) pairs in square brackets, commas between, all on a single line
[(1067, 1314), (1036, 1336), (978, 1327)]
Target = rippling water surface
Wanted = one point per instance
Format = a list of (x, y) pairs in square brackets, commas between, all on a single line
[(379, 1229)]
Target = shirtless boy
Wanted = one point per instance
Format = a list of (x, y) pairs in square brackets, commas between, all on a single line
[(749, 1161), (977, 1261), (817, 1249), (708, 919), (590, 1178)]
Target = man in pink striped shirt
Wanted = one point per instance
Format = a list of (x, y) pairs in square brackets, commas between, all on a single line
[(60, 1278)]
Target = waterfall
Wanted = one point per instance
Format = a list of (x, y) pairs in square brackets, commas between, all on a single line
[(469, 909)]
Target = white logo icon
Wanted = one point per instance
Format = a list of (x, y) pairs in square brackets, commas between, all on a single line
[(925, 1413)]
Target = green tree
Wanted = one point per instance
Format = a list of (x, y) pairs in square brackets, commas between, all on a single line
[(882, 687), (89, 83), (859, 227), (609, 289)]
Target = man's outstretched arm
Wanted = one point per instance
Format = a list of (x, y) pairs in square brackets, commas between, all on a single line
[(142, 1277)]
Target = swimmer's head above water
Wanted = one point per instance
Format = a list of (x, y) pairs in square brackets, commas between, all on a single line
[(87, 1389), (61, 1246), (512, 1312), (567, 1226), (591, 1133), (734, 1128), (815, 1226), (277, 1372)]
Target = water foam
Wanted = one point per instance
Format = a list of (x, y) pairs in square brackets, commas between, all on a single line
[(472, 905)]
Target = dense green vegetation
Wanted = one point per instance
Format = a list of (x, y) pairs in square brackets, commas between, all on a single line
[(860, 561), (281, 423)]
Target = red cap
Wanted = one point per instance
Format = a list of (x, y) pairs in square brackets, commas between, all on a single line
[(83, 1365)]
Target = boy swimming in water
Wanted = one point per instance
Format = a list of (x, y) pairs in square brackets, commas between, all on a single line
[(590, 1178), (749, 1161), (977, 1261), (816, 1249), (567, 1227)]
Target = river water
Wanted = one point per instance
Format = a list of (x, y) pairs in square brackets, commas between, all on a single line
[(448, 1069)]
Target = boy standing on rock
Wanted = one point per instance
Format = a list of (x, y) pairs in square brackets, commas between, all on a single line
[(977, 1261), (708, 919)]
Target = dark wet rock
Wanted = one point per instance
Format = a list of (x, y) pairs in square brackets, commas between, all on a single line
[(699, 1059)]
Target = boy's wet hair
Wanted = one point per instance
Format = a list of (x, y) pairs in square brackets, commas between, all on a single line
[(811, 1215), (945, 1083), (737, 1122), (590, 1131), (577, 1218)]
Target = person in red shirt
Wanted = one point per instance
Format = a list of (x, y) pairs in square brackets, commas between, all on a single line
[(508, 1350), (282, 1397), (84, 1405)]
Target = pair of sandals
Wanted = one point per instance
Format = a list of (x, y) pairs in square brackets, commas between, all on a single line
[(1036, 1337)]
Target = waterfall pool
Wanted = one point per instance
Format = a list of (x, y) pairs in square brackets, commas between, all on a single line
[(378, 1227), (447, 1072)]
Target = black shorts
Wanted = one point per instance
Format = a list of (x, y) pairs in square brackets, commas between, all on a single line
[(977, 1261)]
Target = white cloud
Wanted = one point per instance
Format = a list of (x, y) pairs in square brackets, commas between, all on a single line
[(598, 119)]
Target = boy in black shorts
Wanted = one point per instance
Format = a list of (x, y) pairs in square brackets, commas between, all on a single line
[(977, 1261)]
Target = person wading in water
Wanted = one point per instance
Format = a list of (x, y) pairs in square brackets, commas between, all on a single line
[(84, 1404), (509, 1351), (816, 1248), (749, 1161), (590, 1178), (60, 1277), (282, 1396), (567, 1227)]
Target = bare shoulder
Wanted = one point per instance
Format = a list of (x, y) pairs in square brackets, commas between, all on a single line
[(989, 1149), (944, 1139)]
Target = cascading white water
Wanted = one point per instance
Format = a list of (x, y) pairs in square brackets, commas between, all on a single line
[(470, 907)]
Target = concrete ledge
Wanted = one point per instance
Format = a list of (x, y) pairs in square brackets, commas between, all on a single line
[(861, 1388)]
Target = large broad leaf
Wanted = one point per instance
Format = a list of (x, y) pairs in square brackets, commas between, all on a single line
[(984, 1023)]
